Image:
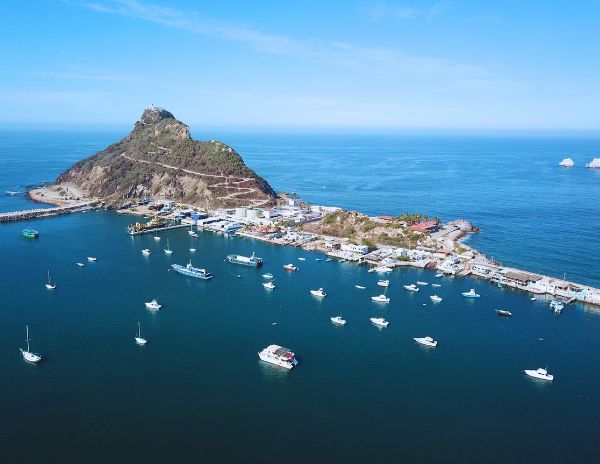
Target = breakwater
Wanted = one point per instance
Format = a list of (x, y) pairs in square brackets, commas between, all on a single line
[(27, 214)]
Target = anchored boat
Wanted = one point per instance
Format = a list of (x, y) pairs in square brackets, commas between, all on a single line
[(471, 294), (30, 233), (28, 355), (252, 261), (278, 355), (192, 271)]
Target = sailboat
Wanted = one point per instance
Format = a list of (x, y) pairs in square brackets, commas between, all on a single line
[(156, 237), (191, 231), (168, 250), (138, 336), (49, 284), (28, 355)]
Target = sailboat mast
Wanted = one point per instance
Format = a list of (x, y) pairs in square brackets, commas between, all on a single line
[(27, 336)]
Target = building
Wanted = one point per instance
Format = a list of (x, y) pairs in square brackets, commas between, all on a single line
[(362, 249), (425, 227)]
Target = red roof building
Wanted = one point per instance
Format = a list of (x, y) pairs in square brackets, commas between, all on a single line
[(427, 226)]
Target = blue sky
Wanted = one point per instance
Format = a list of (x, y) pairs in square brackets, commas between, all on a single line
[(349, 65)]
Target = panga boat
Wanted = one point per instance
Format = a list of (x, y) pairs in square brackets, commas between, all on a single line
[(379, 321), (270, 285), (420, 282), (138, 337), (91, 259), (436, 299), (427, 341), (268, 275), (28, 355), (503, 313), (153, 304), (290, 267), (320, 293), (338, 320), (278, 355), (252, 261), (383, 283), (360, 287), (540, 373), (49, 284), (381, 298), (471, 294), (412, 288), (80, 264), (192, 271), (30, 233), (146, 251)]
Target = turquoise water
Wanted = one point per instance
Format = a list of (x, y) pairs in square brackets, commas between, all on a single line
[(198, 390)]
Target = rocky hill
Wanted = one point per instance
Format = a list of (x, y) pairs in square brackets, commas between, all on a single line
[(159, 158)]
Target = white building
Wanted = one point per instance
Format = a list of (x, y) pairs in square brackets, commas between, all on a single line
[(362, 249)]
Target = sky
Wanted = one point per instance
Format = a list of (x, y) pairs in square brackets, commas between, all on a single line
[(303, 65)]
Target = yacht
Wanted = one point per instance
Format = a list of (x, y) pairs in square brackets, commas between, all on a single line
[(191, 271), (379, 321), (540, 373), (439, 274), (420, 282), (28, 355), (412, 288), (252, 261), (320, 293), (436, 299), (278, 355), (360, 287), (427, 341), (290, 267), (503, 313), (381, 298), (383, 283), (557, 305), (153, 304), (138, 337), (168, 250), (49, 284), (269, 285), (383, 269), (146, 252), (80, 264), (471, 294), (268, 275), (338, 320), (91, 259)]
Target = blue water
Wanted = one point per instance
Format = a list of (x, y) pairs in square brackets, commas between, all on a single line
[(198, 390)]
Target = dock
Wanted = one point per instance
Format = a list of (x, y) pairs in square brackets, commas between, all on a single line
[(159, 229), (25, 215)]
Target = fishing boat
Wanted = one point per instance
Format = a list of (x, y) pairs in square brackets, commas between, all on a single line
[(141, 228), (30, 233), (471, 294), (92, 259), (360, 287), (420, 282), (146, 252), (270, 285), (427, 341), (379, 321), (338, 320), (503, 313), (411, 288), (252, 261), (278, 355), (320, 293), (138, 337), (27, 354), (383, 283), (168, 250), (49, 284), (80, 264), (540, 373), (153, 305), (380, 298), (192, 271), (436, 299), (290, 267)]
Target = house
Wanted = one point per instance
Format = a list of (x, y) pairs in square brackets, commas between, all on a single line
[(362, 249), (425, 227)]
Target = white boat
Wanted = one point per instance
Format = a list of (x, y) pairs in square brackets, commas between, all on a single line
[(503, 313), (49, 284), (436, 299), (80, 264), (380, 298), (28, 355), (191, 231), (268, 275), (436, 285), (371, 270), (320, 293), (301, 259), (279, 356), (168, 250), (420, 282), (383, 269), (195, 235), (153, 304), (379, 321), (360, 287), (146, 251), (318, 259), (138, 337), (411, 287), (269, 284), (290, 267), (540, 373), (91, 259), (533, 298), (193, 250), (439, 274), (338, 320), (156, 236), (471, 294), (427, 341), (328, 260), (557, 305), (383, 283)]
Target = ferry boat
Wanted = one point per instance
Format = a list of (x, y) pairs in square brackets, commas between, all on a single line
[(252, 261), (503, 313), (338, 320), (383, 283), (380, 299), (471, 294), (153, 304), (427, 341), (557, 305), (192, 271), (411, 287), (138, 337), (268, 275), (140, 228), (270, 285), (290, 267), (379, 321), (146, 252), (320, 293), (30, 233), (28, 355), (278, 355), (540, 373), (436, 299)]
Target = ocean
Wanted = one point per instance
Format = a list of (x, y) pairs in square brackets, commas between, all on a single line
[(198, 391)]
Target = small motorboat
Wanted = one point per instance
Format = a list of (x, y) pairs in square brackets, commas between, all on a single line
[(379, 321), (503, 313), (138, 337), (290, 267), (29, 355), (383, 269), (420, 282), (471, 294), (320, 293), (92, 259), (427, 341), (360, 287), (153, 304), (318, 259), (195, 235), (301, 259), (436, 299), (80, 264), (435, 285), (383, 283), (268, 275), (269, 285), (533, 298), (192, 250), (328, 260), (338, 320), (146, 252), (411, 287), (439, 274), (380, 298), (540, 373)]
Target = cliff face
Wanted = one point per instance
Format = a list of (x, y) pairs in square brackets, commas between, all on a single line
[(159, 158)]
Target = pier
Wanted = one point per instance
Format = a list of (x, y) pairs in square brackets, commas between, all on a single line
[(28, 214), (159, 229)]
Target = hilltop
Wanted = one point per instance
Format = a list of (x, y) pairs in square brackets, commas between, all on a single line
[(160, 159)]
